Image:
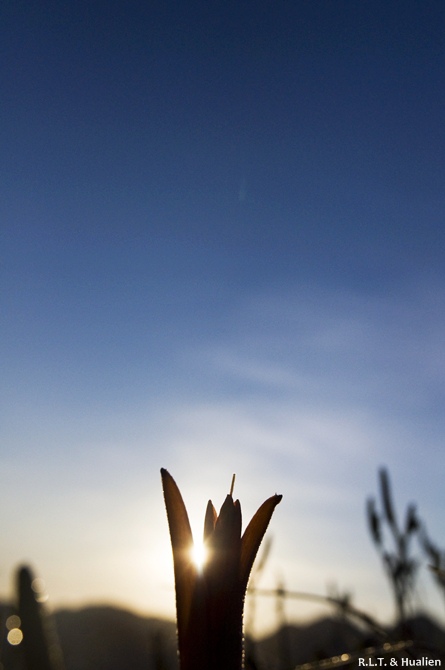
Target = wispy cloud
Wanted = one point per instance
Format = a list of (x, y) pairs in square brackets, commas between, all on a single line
[(314, 391), (305, 394)]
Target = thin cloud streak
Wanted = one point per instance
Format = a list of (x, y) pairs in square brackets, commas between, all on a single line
[(307, 395), (321, 535), (367, 343)]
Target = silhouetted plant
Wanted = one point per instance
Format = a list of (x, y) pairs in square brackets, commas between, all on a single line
[(435, 556), (280, 608), (159, 657), (40, 653), (399, 565), (342, 604), (249, 643), (209, 604)]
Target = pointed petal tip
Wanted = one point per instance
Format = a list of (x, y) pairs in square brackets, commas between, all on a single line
[(166, 477), (254, 534), (209, 520)]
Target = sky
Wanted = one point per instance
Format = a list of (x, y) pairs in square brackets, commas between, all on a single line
[(222, 241)]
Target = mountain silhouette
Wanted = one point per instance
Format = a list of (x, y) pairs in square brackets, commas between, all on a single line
[(109, 638)]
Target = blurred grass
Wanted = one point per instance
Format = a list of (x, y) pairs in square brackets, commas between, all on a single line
[(109, 639)]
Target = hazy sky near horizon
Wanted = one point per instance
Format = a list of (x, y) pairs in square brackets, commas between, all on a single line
[(222, 251)]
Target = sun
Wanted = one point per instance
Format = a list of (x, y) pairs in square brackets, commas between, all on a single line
[(199, 555)]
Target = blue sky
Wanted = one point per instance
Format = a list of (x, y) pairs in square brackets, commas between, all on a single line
[(222, 251)]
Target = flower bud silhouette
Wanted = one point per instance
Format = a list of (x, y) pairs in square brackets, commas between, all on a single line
[(209, 603)]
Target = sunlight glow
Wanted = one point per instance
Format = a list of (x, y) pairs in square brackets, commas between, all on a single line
[(199, 555)]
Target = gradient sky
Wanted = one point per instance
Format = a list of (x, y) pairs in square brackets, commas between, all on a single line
[(222, 251)]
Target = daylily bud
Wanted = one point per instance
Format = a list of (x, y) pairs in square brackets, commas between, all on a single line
[(209, 604)]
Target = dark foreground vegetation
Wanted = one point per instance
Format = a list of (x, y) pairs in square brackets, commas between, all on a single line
[(107, 638)]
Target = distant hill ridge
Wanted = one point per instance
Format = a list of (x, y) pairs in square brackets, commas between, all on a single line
[(332, 636), (110, 638)]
